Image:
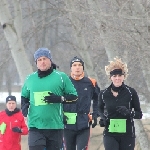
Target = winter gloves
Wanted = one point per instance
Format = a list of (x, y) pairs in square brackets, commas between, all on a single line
[(52, 98), (123, 110), (16, 129), (102, 122), (67, 99), (92, 119), (65, 118), (120, 109), (94, 123)]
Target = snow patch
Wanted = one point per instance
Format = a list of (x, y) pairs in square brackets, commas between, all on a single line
[(3, 96)]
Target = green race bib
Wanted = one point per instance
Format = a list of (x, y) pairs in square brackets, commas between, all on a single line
[(71, 117), (117, 125), (2, 128), (39, 97)]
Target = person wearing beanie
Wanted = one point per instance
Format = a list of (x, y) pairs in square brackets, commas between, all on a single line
[(12, 126), (44, 52), (119, 105), (78, 116), (42, 96)]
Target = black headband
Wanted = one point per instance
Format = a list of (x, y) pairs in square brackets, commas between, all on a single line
[(116, 71)]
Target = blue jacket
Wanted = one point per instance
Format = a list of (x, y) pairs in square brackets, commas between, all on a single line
[(87, 92)]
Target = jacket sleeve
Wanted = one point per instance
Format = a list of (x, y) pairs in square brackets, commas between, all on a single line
[(101, 105), (136, 112), (70, 98), (24, 127), (25, 95), (25, 103), (70, 93), (95, 100)]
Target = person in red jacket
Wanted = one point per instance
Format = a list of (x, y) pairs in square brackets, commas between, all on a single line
[(12, 126)]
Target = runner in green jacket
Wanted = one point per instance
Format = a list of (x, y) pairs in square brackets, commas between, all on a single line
[(42, 97)]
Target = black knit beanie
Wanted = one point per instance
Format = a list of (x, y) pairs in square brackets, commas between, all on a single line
[(76, 59), (10, 98)]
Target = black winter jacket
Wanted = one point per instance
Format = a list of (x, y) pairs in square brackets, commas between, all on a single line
[(86, 93), (128, 97)]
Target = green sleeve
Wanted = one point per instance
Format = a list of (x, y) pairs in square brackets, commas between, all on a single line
[(68, 86), (24, 90)]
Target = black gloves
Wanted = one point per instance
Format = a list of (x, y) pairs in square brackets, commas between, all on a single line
[(102, 122), (123, 110), (16, 129), (65, 118), (95, 122), (103, 119), (52, 98)]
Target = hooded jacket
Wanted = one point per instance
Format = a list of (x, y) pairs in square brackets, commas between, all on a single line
[(11, 140)]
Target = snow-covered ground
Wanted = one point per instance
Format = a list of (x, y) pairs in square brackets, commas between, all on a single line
[(3, 96), (146, 116), (145, 109)]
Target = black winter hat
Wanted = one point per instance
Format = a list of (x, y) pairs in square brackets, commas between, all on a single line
[(10, 98), (77, 59)]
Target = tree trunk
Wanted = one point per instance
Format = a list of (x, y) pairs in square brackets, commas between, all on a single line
[(83, 48), (141, 135), (13, 32)]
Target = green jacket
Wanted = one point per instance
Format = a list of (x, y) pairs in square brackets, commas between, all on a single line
[(40, 114)]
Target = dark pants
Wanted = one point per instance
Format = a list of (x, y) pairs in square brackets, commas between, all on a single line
[(51, 139), (76, 140), (119, 143)]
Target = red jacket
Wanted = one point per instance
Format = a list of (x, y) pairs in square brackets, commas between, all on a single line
[(11, 140)]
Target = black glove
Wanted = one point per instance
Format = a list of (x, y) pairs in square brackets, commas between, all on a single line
[(123, 110), (52, 98), (16, 129), (102, 122), (95, 122), (65, 118)]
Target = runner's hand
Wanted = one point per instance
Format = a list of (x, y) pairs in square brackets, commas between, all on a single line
[(123, 110), (102, 122), (16, 129), (52, 98), (95, 122)]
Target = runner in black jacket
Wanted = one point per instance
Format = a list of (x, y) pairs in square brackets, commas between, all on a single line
[(77, 126), (118, 105)]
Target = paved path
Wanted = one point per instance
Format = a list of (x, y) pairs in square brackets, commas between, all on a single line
[(96, 137)]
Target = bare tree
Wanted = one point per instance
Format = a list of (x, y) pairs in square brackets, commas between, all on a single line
[(96, 30), (13, 30)]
